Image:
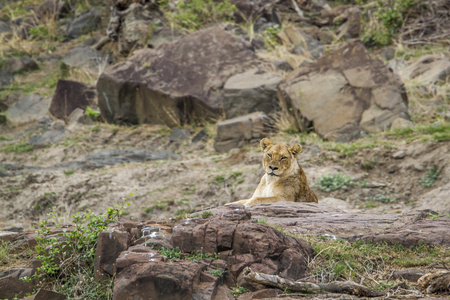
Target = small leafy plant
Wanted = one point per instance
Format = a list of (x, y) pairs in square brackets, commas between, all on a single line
[(431, 176), (332, 182), (207, 214), (67, 253)]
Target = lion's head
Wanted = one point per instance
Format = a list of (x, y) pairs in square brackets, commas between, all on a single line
[(278, 158)]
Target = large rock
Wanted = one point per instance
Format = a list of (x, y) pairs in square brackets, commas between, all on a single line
[(70, 95), (84, 56), (176, 83), (343, 94), (109, 246), (250, 92), (427, 69), (6, 78), (30, 108), (12, 286), (409, 229), (157, 280), (19, 64), (84, 23), (132, 23), (236, 132)]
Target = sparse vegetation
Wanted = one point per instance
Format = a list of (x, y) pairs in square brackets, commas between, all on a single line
[(176, 254), (341, 260), (431, 176), (218, 273), (67, 257), (192, 15), (206, 214), (332, 182), (239, 290), (17, 148)]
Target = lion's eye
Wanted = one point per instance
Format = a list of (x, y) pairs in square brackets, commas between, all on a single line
[(269, 155), (283, 157)]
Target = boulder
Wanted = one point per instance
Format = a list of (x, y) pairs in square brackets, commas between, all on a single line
[(84, 23), (427, 69), (352, 26), (234, 133), (6, 78), (250, 92), (46, 295), (70, 95), (136, 27), (30, 108), (19, 64), (132, 24), (84, 56), (12, 286), (344, 94), (157, 280), (175, 84), (109, 246)]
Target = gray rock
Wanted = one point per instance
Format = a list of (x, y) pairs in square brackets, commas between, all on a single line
[(19, 64), (200, 136), (84, 23), (427, 69), (179, 135), (49, 137), (4, 27), (6, 78), (78, 116), (283, 65), (304, 44), (11, 285), (84, 56), (401, 123), (176, 83), (250, 92), (30, 108), (236, 132), (344, 94), (399, 154), (310, 47)]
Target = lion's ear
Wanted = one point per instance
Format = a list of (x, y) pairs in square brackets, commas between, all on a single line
[(265, 142), (295, 150)]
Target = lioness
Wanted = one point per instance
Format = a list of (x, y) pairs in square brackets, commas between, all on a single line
[(284, 180)]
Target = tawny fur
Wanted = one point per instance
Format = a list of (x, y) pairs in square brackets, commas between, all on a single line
[(284, 179)]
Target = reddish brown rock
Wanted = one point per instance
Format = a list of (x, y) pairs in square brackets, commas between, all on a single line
[(70, 95), (12, 286), (156, 280), (109, 246)]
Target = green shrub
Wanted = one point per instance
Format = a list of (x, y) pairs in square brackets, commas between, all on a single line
[(332, 182), (67, 254), (385, 21)]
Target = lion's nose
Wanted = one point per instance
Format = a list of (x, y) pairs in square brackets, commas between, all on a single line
[(273, 168)]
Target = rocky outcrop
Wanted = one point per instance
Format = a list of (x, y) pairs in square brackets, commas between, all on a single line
[(176, 83), (19, 64), (343, 94), (85, 22)]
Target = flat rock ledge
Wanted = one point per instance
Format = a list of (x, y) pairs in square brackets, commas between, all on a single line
[(233, 241)]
